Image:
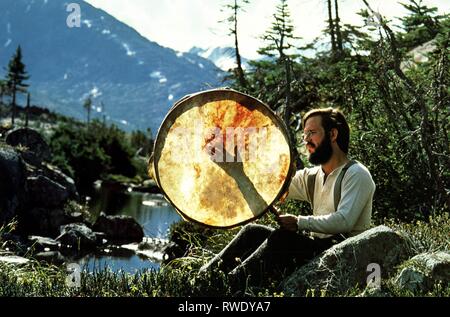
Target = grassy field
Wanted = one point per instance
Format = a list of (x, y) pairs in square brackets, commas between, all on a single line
[(181, 278)]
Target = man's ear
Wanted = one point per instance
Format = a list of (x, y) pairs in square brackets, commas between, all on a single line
[(334, 134)]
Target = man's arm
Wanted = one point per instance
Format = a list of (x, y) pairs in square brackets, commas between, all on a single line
[(298, 187), (297, 190)]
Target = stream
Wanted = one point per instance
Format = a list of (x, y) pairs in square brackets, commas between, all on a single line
[(151, 211)]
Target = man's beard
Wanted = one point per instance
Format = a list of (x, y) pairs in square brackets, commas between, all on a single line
[(323, 152)]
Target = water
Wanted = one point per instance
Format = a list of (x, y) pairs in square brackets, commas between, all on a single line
[(151, 211)]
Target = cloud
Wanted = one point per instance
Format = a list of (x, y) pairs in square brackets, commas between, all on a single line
[(181, 24)]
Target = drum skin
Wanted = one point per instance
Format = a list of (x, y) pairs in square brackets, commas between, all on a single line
[(221, 158)]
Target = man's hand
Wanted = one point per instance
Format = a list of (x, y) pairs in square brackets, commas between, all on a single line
[(288, 222)]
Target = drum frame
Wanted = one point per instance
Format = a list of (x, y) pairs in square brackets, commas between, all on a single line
[(218, 92)]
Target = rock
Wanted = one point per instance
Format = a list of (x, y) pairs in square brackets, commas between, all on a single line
[(122, 229), (418, 55), (44, 192), (40, 244), (67, 182), (374, 291), (14, 243), (346, 264), (149, 183), (173, 251), (78, 236), (47, 222), (150, 248), (13, 259), (424, 271), (12, 183), (32, 140), (52, 257), (54, 174), (101, 238), (148, 186)]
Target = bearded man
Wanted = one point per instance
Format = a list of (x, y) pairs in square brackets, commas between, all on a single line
[(340, 192)]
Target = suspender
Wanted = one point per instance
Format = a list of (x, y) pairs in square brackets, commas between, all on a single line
[(311, 182)]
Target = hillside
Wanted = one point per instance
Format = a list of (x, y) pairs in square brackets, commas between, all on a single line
[(136, 79)]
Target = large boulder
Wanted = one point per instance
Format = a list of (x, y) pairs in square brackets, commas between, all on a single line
[(67, 182), (44, 192), (349, 263), (424, 271), (45, 172), (36, 148), (43, 244), (78, 237), (47, 222), (13, 259), (51, 257), (12, 182), (122, 229)]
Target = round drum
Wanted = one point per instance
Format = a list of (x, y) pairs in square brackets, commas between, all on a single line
[(221, 158)]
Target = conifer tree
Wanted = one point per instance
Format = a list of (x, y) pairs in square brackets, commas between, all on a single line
[(3, 89), (87, 105), (331, 27), (279, 39), (27, 110), (334, 29), (15, 79), (235, 6), (420, 25), (337, 22), (103, 111), (280, 36)]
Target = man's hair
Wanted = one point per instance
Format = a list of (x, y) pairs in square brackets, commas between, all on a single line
[(332, 118)]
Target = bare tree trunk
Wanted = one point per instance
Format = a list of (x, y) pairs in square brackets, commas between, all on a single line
[(441, 101), (425, 125), (13, 106), (331, 26), (103, 113), (288, 109), (27, 110), (240, 71), (339, 46), (288, 112)]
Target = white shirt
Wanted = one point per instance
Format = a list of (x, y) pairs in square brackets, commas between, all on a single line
[(354, 211)]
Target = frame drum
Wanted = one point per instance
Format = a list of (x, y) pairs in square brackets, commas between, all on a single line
[(222, 158)]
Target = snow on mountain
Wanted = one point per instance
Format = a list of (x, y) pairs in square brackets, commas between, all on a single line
[(222, 57), (137, 80)]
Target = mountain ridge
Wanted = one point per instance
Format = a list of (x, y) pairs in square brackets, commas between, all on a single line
[(222, 56), (136, 79)]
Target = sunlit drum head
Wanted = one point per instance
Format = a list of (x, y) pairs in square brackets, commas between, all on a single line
[(222, 158)]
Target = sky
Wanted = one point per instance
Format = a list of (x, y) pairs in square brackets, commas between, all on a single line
[(182, 24)]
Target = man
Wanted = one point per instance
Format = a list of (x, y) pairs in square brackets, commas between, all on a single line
[(339, 190)]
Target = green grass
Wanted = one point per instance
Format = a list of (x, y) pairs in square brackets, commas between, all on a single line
[(35, 279), (180, 278), (423, 236)]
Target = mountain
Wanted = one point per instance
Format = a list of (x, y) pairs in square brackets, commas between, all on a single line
[(137, 80), (222, 57)]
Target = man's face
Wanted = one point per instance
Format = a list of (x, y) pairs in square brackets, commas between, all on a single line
[(318, 143)]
